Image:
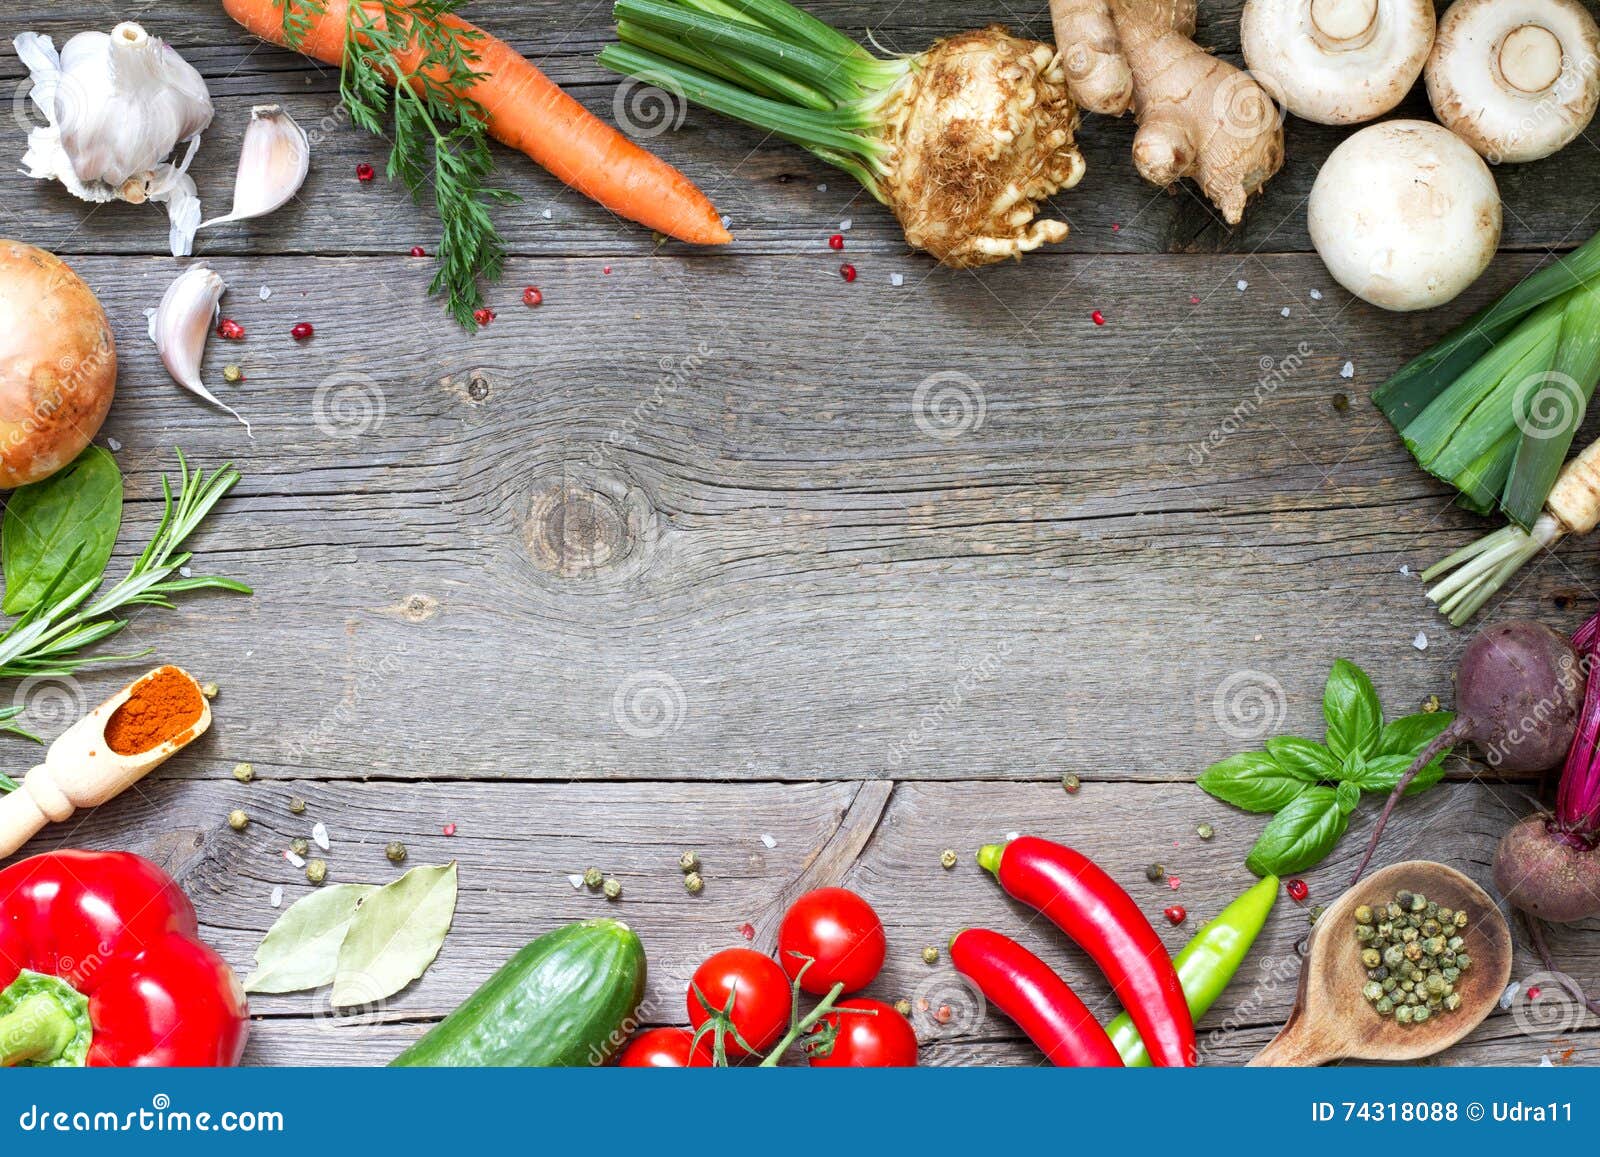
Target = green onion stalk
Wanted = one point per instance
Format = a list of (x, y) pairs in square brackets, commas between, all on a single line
[(964, 142)]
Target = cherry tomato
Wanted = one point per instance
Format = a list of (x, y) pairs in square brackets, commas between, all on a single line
[(883, 1041), (761, 995), (837, 929), (665, 1048)]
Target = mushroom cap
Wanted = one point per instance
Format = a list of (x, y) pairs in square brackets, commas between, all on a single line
[(1515, 79), (1337, 62), (1404, 214)]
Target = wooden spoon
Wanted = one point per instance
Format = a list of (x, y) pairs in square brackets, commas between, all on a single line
[(81, 770), (1332, 1021)]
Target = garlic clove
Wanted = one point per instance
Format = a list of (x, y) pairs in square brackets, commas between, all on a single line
[(273, 163), (180, 325)]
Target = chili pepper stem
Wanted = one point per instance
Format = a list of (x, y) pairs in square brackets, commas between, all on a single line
[(989, 857), (38, 1029)]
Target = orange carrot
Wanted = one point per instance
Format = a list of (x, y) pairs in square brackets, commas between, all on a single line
[(526, 110)]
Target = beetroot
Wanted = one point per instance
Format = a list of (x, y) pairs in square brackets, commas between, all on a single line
[(1519, 694)]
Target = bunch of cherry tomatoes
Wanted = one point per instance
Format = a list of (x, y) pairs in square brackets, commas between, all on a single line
[(830, 944)]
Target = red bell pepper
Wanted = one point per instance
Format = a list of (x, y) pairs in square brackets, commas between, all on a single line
[(101, 964), (1101, 918), (1025, 988)]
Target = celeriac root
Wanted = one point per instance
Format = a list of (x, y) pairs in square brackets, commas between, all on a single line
[(1098, 75)]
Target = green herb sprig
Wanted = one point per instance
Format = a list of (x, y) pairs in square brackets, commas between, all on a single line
[(1313, 787), (437, 135)]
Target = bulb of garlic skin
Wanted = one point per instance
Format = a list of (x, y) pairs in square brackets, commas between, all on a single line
[(117, 105)]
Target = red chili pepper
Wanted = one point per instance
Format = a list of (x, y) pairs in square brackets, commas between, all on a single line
[(1102, 919), (1023, 987), (101, 964)]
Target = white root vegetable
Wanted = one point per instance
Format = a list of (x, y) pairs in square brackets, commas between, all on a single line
[(1404, 215), (180, 325), (117, 106), (1337, 62), (1515, 79), (273, 162)]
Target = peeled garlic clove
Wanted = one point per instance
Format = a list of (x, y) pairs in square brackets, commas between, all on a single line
[(272, 164), (182, 322)]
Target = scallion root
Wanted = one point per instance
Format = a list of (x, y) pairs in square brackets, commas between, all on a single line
[(1478, 571)]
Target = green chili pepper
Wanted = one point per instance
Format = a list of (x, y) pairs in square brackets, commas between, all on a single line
[(1207, 963)]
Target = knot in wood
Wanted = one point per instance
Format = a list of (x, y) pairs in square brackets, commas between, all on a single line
[(574, 530)]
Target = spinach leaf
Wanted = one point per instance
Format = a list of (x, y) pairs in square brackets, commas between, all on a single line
[(1350, 705), (77, 512), (1300, 835), (1253, 781)]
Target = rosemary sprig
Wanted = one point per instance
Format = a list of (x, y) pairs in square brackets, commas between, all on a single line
[(436, 133)]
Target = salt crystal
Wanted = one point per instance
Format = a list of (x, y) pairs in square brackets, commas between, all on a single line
[(1013, 835), (822, 188), (1241, 285), (844, 226), (1316, 295), (277, 896), (896, 280), (1509, 996), (1348, 370), (726, 220), (1421, 641), (547, 214), (186, 571), (264, 293), (319, 835), (575, 880), (297, 861), (1405, 570), (769, 842), (1546, 1063), (113, 444), (1284, 312)]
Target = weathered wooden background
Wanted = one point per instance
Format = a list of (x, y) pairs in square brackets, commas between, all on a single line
[(715, 550)]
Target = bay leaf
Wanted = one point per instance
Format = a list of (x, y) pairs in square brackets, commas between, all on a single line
[(395, 935), (301, 949), (66, 522)]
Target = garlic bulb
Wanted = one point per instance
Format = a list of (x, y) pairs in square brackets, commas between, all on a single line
[(118, 105), (273, 163), (180, 325)]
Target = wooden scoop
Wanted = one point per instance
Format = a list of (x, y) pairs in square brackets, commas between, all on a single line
[(80, 770), (1332, 1021)]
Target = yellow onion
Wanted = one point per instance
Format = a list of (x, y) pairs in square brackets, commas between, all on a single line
[(58, 364)]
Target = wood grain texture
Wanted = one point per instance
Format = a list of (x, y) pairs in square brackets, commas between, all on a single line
[(713, 546)]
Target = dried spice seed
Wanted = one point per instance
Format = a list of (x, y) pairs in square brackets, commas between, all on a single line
[(395, 853), (232, 374), (948, 858), (317, 871), (244, 772), (300, 847), (1205, 831), (903, 1007), (593, 878), (930, 955), (693, 883), (688, 862), (297, 806), (1070, 783), (238, 821), (209, 690), (612, 888), (1155, 873)]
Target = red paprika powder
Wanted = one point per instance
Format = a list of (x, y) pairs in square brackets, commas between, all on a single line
[(164, 704)]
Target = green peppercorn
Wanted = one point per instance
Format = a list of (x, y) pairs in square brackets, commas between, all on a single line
[(949, 858), (1403, 1014), (693, 882), (209, 690), (1371, 957), (244, 772), (232, 373), (688, 862), (317, 871), (300, 847), (1435, 985), (903, 1007), (1372, 990), (593, 877), (1155, 873), (1446, 915), (1430, 928), (930, 955), (1385, 1006), (1403, 898), (1070, 783), (1394, 910), (1365, 933), (1422, 1014), (1451, 975), (1363, 914), (1455, 944), (1452, 1001), (1394, 956), (1408, 935), (1205, 831), (1390, 984), (612, 888), (1420, 903), (237, 820), (1385, 929), (1459, 919), (1463, 961), (395, 853), (297, 806)]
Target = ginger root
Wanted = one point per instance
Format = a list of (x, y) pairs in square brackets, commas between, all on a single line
[(1199, 117)]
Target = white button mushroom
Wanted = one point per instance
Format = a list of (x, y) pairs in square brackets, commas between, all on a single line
[(1404, 214), (1515, 79), (1337, 62)]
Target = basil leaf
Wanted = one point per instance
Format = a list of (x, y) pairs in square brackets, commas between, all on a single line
[(1253, 781), (1409, 734), (301, 949), (1350, 706), (1384, 771), (1303, 759), (1300, 835), (395, 935), (1347, 795), (76, 509)]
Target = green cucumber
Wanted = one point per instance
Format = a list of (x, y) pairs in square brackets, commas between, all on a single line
[(568, 999)]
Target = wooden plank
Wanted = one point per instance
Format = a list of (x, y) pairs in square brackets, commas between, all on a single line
[(647, 531), (771, 191), (515, 843)]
